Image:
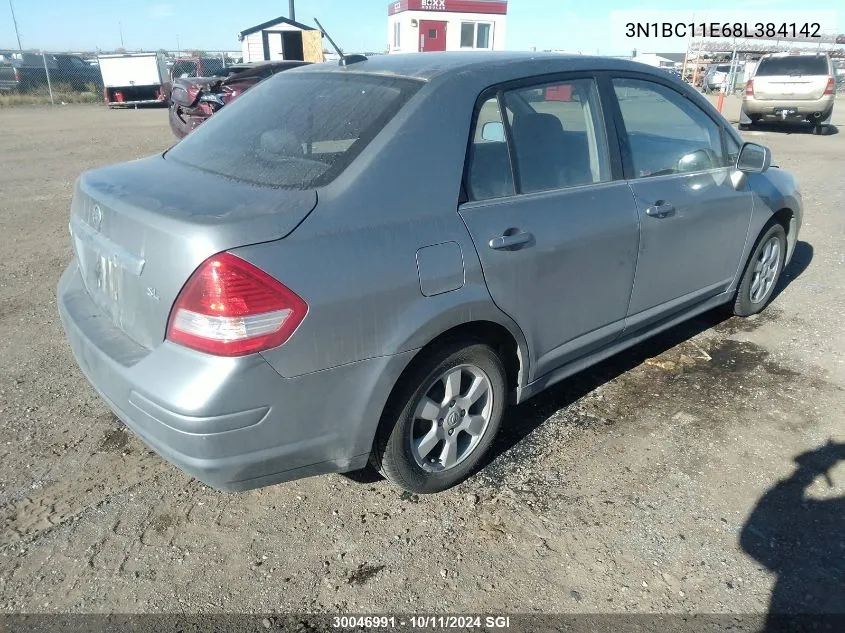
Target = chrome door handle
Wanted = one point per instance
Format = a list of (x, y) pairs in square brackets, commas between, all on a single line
[(661, 209), (510, 240)]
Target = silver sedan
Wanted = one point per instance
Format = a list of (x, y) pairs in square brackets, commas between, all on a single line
[(365, 263)]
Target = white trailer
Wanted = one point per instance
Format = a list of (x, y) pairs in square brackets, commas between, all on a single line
[(134, 79)]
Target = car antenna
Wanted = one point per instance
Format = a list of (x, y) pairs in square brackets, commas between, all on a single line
[(345, 60)]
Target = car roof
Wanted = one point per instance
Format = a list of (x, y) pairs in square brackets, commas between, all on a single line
[(428, 66)]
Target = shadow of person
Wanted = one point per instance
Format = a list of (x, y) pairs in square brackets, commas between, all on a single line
[(802, 540)]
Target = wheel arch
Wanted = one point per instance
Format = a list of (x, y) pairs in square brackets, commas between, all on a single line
[(506, 340)]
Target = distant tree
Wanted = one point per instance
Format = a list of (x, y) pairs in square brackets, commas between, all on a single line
[(195, 53)]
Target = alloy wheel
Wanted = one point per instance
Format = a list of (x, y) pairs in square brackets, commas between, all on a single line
[(451, 418), (765, 271)]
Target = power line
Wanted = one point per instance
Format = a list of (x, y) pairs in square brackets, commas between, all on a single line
[(15, 22)]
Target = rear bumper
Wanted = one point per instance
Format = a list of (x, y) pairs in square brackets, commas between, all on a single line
[(771, 107), (233, 423)]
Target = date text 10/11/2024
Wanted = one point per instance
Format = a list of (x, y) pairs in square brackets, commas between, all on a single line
[(757, 30), (421, 622)]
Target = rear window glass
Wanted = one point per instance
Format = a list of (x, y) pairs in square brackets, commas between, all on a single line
[(723, 69), (295, 130), (793, 65)]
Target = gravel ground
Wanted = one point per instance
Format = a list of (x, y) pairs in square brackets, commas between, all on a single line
[(662, 480)]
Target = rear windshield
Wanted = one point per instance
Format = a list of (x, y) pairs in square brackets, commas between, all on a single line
[(793, 65), (295, 130), (723, 69)]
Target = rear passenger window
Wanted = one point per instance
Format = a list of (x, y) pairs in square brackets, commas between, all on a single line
[(667, 134), (558, 135), (490, 174)]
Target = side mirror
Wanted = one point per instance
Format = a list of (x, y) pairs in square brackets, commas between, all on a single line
[(754, 158), (493, 131)]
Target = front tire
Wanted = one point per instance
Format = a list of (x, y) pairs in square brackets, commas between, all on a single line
[(761, 273), (442, 418)]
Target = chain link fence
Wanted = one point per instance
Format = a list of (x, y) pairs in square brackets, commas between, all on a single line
[(42, 77)]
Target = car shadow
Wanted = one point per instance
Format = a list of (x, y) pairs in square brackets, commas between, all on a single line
[(790, 128), (801, 538), (523, 419), (801, 258)]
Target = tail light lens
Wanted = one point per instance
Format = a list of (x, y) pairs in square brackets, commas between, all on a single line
[(17, 75), (831, 86), (231, 308), (749, 88)]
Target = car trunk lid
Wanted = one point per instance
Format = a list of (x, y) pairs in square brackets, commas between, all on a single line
[(790, 87), (140, 229)]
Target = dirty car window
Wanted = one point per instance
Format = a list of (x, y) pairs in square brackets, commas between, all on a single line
[(295, 130), (797, 65)]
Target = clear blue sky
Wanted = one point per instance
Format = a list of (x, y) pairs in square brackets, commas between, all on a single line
[(355, 24)]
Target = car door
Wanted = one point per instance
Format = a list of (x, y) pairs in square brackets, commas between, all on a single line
[(693, 221), (554, 224)]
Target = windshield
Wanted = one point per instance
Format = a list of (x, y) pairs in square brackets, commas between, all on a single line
[(793, 65), (295, 130)]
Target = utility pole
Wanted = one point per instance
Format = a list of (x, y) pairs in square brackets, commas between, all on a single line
[(292, 10), (120, 28), (178, 47), (15, 22)]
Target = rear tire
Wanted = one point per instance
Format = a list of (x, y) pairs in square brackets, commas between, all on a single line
[(762, 272), (821, 129), (442, 417)]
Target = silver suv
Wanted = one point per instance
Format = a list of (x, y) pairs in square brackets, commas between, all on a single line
[(791, 87)]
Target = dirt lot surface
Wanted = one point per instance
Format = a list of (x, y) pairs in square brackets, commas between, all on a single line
[(662, 480)]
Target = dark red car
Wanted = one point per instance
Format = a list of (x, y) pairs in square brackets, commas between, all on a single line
[(195, 99)]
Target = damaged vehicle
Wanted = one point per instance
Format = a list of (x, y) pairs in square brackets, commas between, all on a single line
[(194, 99), (366, 263)]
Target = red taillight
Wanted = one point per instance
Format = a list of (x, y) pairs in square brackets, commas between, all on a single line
[(17, 75), (749, 88), (231, 308), (831, 86)]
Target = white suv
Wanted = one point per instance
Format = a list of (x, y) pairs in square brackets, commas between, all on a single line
[(791, 87)]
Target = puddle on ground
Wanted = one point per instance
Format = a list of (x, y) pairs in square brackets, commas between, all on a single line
[(115, 441), (709, 381), (736, 324)]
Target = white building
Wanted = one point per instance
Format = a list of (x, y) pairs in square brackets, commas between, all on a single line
[(446, 25), (661, 60), (281, 38)]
